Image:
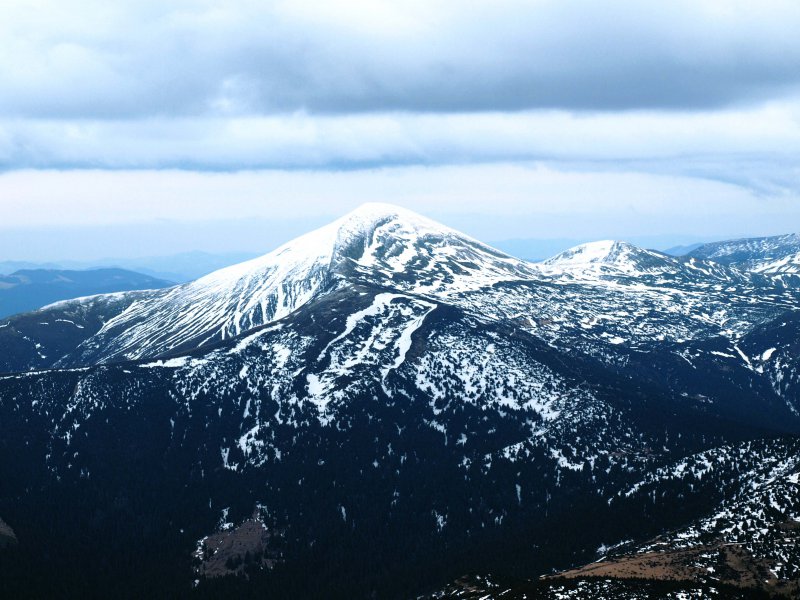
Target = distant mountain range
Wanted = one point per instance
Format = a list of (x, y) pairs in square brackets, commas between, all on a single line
[(29, 289), (177, 268), (187, 266), (386, 407)]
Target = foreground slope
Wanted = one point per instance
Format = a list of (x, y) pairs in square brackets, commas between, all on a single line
[(746, 545), (371, 416)]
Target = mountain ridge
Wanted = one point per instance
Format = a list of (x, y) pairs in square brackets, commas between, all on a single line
[(279, 282), (774, 255)]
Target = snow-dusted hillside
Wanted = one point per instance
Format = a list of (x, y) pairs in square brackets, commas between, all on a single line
[(776, 254), (789, 265), (609, 259), (385, 389), (610, 255)]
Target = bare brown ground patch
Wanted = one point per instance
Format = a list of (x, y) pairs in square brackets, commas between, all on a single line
[(732, 565), (232, 551), (675, 566)]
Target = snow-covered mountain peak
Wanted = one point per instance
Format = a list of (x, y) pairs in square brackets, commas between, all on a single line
[(375, 223), (419, 255), (589, 253), (319, 250), (610, 261), (349, 237), (606, 254), (370, 214), (235, 299), (376, 244)]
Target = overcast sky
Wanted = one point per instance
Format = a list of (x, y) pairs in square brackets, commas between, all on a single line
[(143, 127)]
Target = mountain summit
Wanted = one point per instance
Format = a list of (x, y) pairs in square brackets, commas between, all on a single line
[(377, 243), (607, 253)]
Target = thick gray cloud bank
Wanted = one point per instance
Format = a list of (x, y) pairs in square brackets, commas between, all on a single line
[(246, 84), (618, 117), (96, 58)]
